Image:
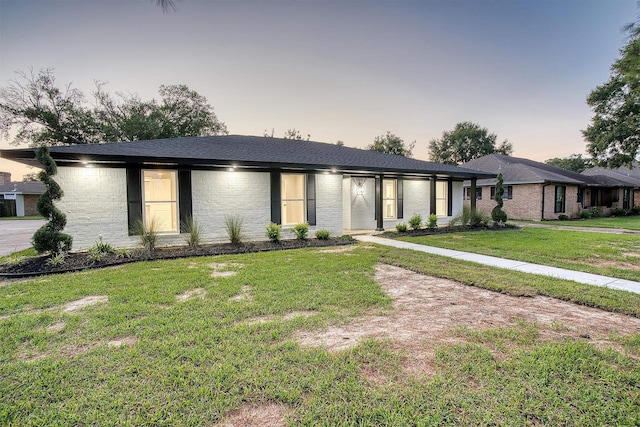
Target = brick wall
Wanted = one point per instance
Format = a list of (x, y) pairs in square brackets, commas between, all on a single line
[(526, 202), (30, 202), (5, 178)]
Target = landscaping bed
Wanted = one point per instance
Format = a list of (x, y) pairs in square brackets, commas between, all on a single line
[(74, 261), (450, 229)]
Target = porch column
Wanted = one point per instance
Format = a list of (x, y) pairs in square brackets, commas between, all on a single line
[(473, 194), (379, 203), (432, 196)]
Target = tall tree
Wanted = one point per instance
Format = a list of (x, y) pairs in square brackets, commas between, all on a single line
[(613, 136), (43, 113), (391, 144), (574, 162), (497, 214), (467, 141)]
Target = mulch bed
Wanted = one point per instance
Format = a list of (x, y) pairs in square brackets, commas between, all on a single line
[(443, 230), (74, 261)]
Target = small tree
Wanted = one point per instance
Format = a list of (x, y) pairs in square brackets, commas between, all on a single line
[(497, 214), (49, 237)]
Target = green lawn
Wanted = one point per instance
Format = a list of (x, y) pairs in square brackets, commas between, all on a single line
[(624, 222), (607, 254), (20, 218), (191, 362)]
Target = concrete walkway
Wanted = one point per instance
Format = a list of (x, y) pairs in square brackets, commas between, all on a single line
[(572, 228), (525, 267)]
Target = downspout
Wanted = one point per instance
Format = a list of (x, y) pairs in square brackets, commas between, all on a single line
[(543, 187)]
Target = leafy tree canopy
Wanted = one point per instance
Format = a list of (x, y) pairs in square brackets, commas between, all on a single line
[(44, 113), (574, 162), (391, 144), (613, 136), (467, 141)]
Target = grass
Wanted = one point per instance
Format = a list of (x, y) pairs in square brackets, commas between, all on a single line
[(606, 254), (19, 255), (196, 360), (20, 218), (623, 222)]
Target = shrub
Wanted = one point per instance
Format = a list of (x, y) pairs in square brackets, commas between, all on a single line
[(123, 253), (563, 217), (301, 231), (478, 217), (433, 221), (585, 214), (635, 210), (497, 214), (415, 222), (147, 234), (49, 237), (323, 234), (100, 249), (234, 225), (193, 230), (402, 227), (619, 212), (56, 260), (470, 217), (274, 232), (595, 212)]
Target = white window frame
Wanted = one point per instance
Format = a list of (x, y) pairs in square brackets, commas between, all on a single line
[(394, 199), (176, 225), (283, 200)]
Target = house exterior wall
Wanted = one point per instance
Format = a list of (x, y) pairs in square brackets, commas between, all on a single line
[(30, 204), (527, 202), (416, 199), (95, 202), (636, 197)]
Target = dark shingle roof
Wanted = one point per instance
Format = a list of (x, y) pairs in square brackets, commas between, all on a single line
[(31, 187), (517, 170), (622, 175), (246, 151)]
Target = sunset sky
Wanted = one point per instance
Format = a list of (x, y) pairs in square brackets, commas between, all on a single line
[(339, 70)]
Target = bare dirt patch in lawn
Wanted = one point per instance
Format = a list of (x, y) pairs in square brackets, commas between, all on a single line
[(343, 249), (222, 269), (287, 316), (262, 415), (72, 306), (199, 293), (428, 310), (58, 326), (123, 341), (597, 262)]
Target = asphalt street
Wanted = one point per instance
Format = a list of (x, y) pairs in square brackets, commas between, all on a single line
[(15, 235)]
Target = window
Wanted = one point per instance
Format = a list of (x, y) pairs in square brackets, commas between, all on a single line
[(160, 199), (467, 193), (389, 199), (293, 199), (441, 198), (561, 191), (508, 192), (626, 196)]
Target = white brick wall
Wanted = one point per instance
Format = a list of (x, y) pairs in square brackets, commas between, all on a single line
[(95, 203)]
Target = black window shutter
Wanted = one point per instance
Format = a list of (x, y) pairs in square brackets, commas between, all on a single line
[(311, 199), (276, 198), (134, 198), (400, 199), (377, 203), (449, 197), (184, 202)]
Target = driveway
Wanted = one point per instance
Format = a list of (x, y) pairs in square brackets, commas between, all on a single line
[(15, 235)]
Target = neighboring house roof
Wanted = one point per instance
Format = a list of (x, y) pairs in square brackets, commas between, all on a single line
[(627, 176), (516, 170), (31, 187), (245, 151)]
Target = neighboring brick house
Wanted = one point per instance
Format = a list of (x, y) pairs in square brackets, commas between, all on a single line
[(630, 193), (538, 191), (20, 198), (109, 187)]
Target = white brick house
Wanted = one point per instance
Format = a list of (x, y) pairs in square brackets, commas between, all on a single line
[(107, 187)]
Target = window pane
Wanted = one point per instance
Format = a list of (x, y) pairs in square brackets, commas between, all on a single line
[(441, 198), (389, 209), (292, 187), (389, 204), (160, 198), (292, 212), (159, 186), (389, 189)]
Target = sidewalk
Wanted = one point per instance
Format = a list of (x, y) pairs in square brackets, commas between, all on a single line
[(525, 267)]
